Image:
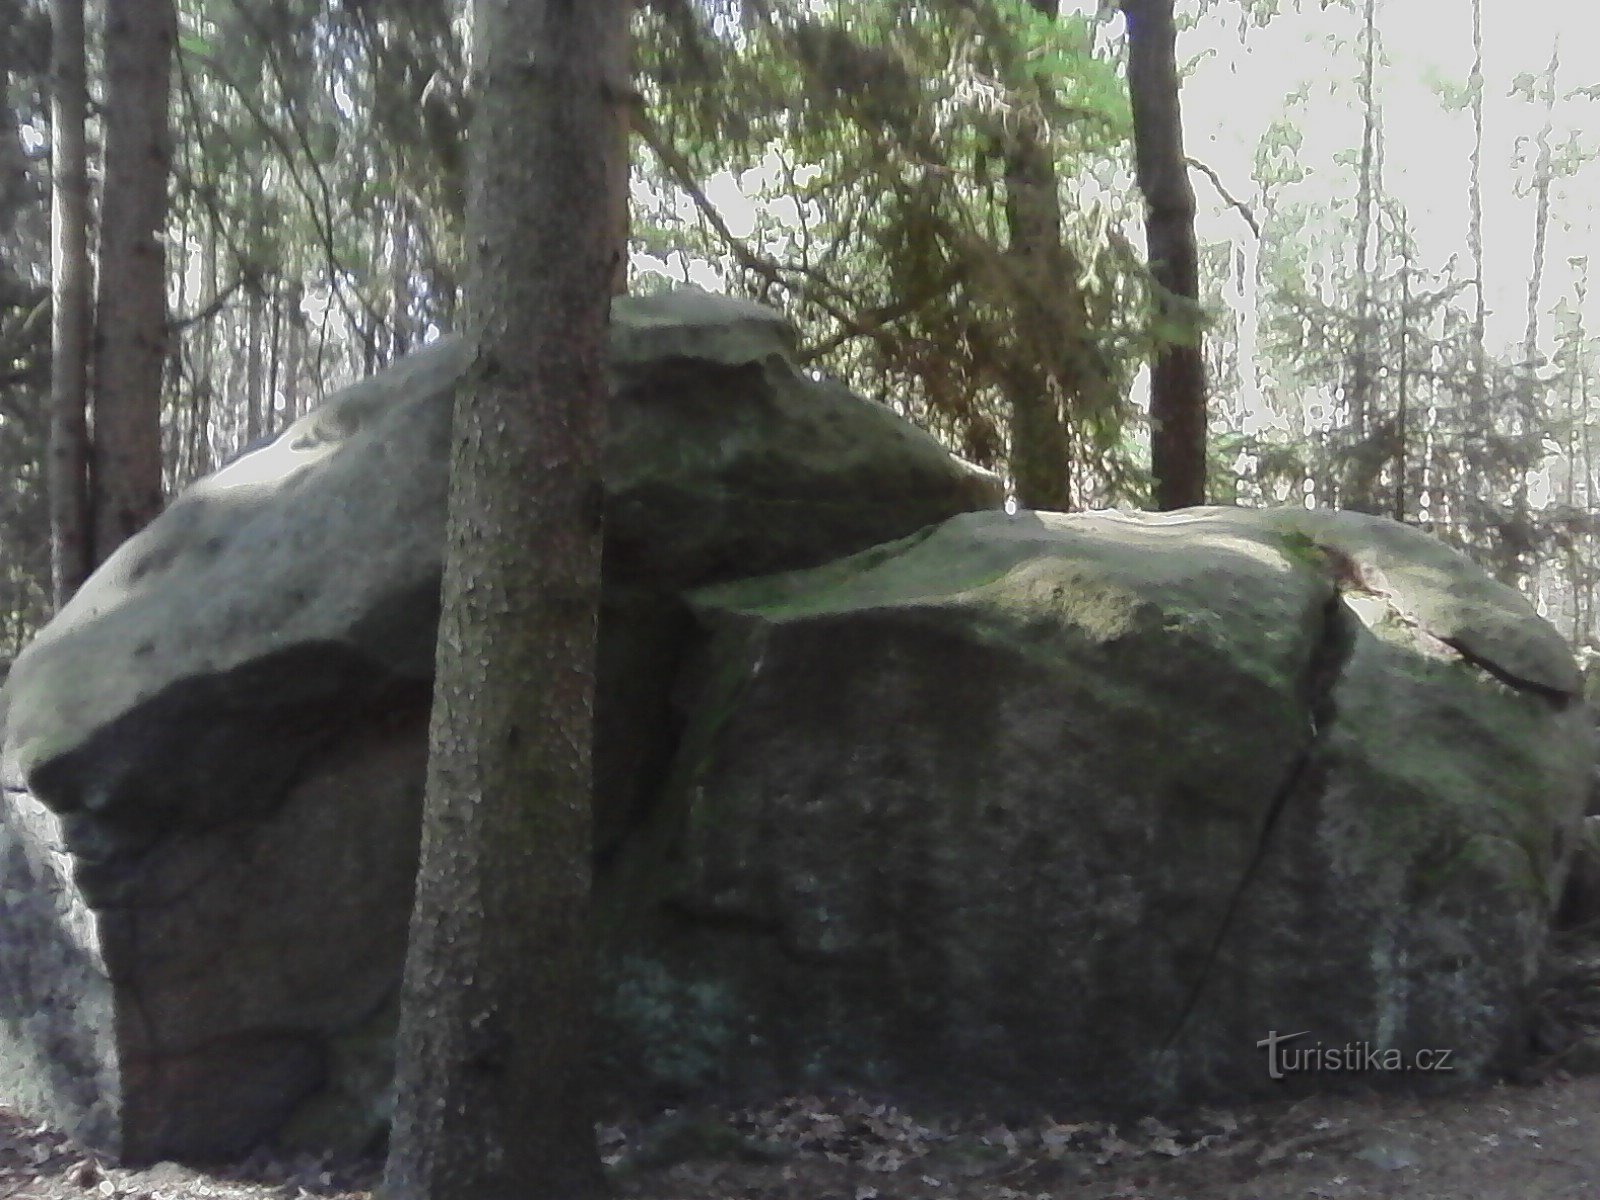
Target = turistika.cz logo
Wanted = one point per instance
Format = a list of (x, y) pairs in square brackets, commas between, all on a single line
[(1284, 1059)]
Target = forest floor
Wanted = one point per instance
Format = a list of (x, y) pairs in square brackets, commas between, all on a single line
[(1534, 1140)]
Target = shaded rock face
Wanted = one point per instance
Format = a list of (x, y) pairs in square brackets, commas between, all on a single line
[(213, 757), (1081, 809), (1580, 902), (892, 787)]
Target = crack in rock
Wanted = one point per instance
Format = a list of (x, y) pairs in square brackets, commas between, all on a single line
[(1329, 654), (1557, 697)]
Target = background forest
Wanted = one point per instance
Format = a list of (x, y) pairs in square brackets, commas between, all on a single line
[(1395, 213)]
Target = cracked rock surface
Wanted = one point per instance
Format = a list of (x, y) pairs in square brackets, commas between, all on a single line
[(1063, 809), (1085, 807), (213, 757)]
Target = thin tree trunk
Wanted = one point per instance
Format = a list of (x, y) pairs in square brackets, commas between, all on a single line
[(131, 310), (399, 282), (1249, 273), (71, 551), (1177, 376), (255, 300), (1514, 548), (1402, 390), (274, 363), (293, 356), (1586, 630), (254, 384), (176, 446), (490, 1080), (205, 336), (1543, 177), (1040, 453), (1571, 360), (1475, 86), (1356, 489), (1477, 430)]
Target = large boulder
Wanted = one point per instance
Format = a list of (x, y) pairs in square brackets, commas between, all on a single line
[(213, 757), (1088, 808), (893, 786)]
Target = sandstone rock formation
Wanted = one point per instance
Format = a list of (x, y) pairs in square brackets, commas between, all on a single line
[(213, 755), (1082, 808), (893, 786)]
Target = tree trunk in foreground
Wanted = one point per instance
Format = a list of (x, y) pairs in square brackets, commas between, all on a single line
[(1177, 377), (490, 1080), (71, 285), (618, 67), (131, 309)]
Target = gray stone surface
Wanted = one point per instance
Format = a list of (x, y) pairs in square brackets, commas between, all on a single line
[(56, 1010), (222, 735), (893, 787), (300, 581), (1081, 808)]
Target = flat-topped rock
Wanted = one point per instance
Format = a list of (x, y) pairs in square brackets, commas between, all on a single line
[(1078, 810)]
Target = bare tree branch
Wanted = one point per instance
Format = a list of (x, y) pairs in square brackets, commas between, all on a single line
[(217, 304), (767, 268), (1228, 197)]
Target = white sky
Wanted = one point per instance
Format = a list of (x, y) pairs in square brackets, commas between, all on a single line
[(1238, 90)]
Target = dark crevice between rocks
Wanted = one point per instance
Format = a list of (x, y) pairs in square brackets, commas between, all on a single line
[(645, 638), (1330, 654), (1557, 698)]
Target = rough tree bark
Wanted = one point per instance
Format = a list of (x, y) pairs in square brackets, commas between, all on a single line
[(131, 305), (71, 287), (1040, 450), (1051, 375), (1177, 377), (491, 1050), (619, 67)]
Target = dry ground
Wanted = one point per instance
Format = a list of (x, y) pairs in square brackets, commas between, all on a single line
[(1532, 1141), (1535, 1142)]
